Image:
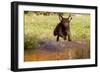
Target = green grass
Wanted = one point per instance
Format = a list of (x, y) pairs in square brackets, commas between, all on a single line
[(38, 28)]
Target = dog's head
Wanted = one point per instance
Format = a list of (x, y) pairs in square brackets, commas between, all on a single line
[(65, 21)]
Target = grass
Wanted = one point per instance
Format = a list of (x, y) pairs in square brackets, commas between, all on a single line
[(38, 28)]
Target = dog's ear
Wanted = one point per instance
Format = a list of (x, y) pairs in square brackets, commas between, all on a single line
[(69, 17), (60, 17)]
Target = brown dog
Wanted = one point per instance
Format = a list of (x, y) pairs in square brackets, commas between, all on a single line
[(63, 28)]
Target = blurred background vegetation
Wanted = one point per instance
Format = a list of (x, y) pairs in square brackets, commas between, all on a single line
[(39, 26)]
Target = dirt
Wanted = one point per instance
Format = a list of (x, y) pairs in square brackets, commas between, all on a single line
[(62, 50)]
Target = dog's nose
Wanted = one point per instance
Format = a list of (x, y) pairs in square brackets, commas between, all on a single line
[(66, 25)]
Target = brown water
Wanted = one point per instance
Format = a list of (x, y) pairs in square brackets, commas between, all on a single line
[(52, 50)]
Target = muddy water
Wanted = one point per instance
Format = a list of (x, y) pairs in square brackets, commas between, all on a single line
[(52, 50)]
